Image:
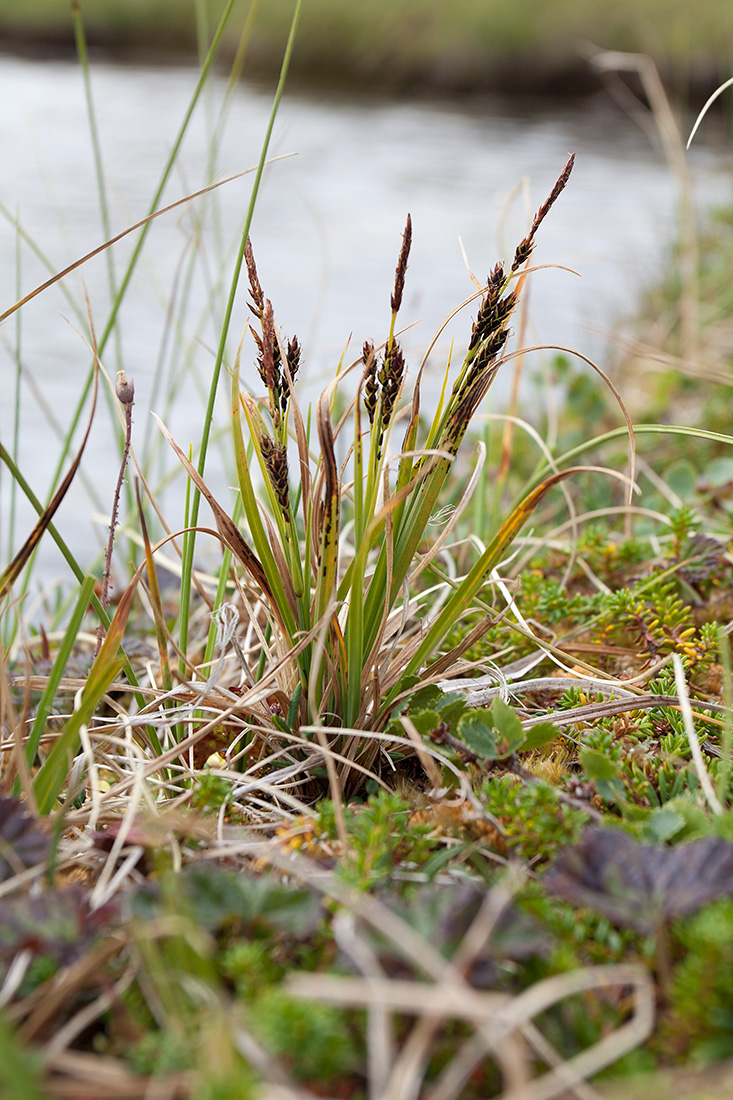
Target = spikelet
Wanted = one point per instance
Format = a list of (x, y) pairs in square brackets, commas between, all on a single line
[(275, 458), (371, 387), (525, 247), (399, 278)]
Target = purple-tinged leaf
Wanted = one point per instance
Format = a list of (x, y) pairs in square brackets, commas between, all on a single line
[(57, 924), (22, 843), (640, 885)]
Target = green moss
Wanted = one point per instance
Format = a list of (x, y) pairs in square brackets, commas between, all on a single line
[(699, 1018), (313, 1039), (534, 822)]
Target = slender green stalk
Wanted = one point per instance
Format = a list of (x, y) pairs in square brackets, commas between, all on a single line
[(65, 650), (620, 433), (68, 558), (16, 414), (54, 771), (190, 543), (132, 264), (83, 58), (221, 588), (185, 605)]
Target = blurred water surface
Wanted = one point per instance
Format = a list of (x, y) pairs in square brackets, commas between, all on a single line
[(326, 235)]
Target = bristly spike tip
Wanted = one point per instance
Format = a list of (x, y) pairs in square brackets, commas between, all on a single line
[(524, 250), (399, 278)]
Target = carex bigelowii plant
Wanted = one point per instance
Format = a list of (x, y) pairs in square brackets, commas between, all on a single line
[(331, 546)]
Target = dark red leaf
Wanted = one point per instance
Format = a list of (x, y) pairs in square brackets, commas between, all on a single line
[(22, 843), (639, 885), (57, 924)]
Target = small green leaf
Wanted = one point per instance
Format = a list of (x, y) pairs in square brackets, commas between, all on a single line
[(541, 734), (597, 766), (477, 730), (681, 477), (424, 697), (450, 707), (662, 824), (494, 733), (425, 721), (505, 719), (510, 734)]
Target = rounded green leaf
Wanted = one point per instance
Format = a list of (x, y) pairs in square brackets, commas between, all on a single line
[(597, 766), (541, 734)]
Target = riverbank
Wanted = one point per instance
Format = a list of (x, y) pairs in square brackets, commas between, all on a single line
[(417, 47)]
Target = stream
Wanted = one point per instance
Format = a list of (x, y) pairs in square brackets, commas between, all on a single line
[(326, 234)]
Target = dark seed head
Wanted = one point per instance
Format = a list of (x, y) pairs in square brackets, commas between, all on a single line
[(294, 351), (399, 278), (124, 389), (525, 248), (371, 389), (268, 364), (390, 377), (255, 289), (524, 251), (275, 457)]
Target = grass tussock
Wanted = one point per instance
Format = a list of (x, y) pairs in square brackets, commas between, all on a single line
[(404, 798)]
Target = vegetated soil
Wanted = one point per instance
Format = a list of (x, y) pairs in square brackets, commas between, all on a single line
[(421, 47), (714, 1082)]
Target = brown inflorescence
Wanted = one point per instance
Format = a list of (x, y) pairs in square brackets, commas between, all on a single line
[(255, 289), (371, 387), (275, 457), (399, 279), (292, 353), (390, 379), (269, 357), (525, 247)]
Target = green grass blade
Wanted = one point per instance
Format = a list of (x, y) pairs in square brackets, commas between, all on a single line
[(62, 659), (330, 521), (465, 592), (132, 264), (620, 433), (190, 543), (155, 601), (53, 772), (20, 1070)]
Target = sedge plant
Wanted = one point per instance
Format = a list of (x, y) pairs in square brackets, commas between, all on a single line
[(333, 548)]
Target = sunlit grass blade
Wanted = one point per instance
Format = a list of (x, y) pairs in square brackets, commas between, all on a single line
[(228, 530), (460, 598), (158, 213), (329, 514), (251, 510), (54, 771), (45, 703)]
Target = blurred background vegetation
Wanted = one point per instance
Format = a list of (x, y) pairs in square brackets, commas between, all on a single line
[(418, 46)]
